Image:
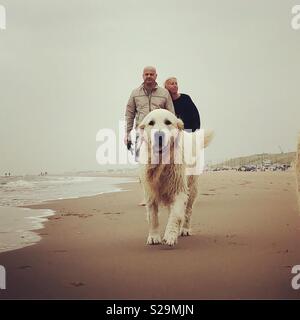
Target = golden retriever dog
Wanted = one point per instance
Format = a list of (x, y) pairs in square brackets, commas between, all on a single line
[(169, 172)]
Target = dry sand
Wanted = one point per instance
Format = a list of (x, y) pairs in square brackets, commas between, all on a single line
[(245, 242)]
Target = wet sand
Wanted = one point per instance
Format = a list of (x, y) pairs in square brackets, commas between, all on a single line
[(246, 234)]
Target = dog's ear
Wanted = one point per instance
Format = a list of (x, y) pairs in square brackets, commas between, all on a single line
[(180, 124), (142, 125), (141, 131)]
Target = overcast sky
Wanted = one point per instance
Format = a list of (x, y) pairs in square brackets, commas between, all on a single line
[(67, 69)]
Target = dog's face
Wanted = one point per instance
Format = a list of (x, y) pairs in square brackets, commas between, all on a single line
[(159, 129)]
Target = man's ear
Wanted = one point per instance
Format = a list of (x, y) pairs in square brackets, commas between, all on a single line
[(180, 124)]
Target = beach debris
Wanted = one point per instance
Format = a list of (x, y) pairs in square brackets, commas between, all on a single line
[(283, 251), (79, 215), (84, 215), (54, 218), (112, 212)]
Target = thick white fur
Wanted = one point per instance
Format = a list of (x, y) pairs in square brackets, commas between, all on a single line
[(167, 184)]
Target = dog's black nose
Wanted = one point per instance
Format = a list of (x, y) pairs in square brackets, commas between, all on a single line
[(159, 137)]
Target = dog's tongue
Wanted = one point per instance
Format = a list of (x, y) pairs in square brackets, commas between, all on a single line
[(160, 142), (157, 148)]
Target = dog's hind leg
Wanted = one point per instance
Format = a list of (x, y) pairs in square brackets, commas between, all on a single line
[(176, 219), (152, 215), (193, 191)]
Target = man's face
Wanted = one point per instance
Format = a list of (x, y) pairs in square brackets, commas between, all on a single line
[(149, 76)]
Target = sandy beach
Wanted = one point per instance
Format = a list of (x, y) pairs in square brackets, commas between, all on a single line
[(246, 233)]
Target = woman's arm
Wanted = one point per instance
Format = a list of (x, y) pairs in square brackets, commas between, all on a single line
[(196, 123)]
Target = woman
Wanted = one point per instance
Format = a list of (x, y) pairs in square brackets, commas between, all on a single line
[(185, 108)]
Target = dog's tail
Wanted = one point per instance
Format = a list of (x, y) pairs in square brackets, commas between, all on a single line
[(208, 136)]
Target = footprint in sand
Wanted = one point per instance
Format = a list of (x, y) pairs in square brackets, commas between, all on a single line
[(230, 235), (77, 284), (24, 267), (245, 183), (236, 243)]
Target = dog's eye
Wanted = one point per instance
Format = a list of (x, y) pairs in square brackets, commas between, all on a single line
[(168, 122), (151, 123)]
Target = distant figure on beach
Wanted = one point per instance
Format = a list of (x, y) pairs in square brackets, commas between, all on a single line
[(147, 97), (184, 106)]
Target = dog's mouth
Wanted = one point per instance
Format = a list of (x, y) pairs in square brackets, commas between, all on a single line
[(160, 149), (161, 143)]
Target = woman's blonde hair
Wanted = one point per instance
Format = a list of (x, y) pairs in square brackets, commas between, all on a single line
[(167, 80)]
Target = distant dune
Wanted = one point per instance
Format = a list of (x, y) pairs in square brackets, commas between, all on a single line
[(258, 159)]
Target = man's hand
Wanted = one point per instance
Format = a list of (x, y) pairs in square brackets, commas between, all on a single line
[(127, 142)]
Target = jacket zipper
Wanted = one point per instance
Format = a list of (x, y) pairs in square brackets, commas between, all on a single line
[(149, 98)]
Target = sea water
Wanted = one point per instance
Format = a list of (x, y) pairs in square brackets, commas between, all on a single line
[(17, 224)]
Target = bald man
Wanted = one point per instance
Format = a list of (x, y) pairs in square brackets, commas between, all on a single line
[(147, 97)]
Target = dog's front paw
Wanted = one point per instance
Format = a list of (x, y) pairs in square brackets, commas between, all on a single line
[(185, 232), (154, 239), (170, 239)]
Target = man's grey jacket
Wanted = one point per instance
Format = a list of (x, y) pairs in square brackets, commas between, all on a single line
[(141, 103)]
